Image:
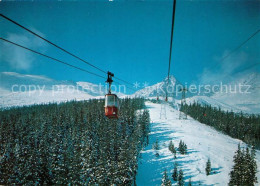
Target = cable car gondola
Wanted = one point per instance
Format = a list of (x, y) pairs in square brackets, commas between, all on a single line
[(111, 105), (111, 100)]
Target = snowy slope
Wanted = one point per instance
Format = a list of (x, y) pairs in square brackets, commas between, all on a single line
[(205, 100), (37, 97), (203, 142), (24, 89), (91, 88)]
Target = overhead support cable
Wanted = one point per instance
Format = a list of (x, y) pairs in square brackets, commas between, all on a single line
[(59, 47), (235, 49), (170, 55), (37, 35), (57, 60), (124, 81), (239, 46)]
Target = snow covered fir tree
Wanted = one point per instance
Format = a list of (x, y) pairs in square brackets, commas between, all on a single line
[(208, 167), (181, 181), (175, 172), (72, 143), (182, 147), (244, 169), (165, 179)]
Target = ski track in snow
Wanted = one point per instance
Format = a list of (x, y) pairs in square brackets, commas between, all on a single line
[(203, 142)]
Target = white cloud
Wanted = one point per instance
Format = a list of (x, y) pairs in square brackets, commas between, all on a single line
[(19, 58), (223, 70)]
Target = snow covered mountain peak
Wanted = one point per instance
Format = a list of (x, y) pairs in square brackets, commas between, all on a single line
[(158, 88), (227, 100), (172, 79)]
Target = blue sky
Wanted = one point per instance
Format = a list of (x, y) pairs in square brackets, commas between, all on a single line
[(132, 39)]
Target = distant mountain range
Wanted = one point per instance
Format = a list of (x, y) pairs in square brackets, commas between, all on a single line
[(240, 95), (21, 89), (174, 89), (159, 89), (50, 90)]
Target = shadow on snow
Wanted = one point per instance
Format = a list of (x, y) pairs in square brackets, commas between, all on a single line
[(151, 168)]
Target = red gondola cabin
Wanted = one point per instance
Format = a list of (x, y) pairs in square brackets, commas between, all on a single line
[(111, 106)]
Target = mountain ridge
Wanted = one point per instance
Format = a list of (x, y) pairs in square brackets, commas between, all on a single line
[(85, 90), (239, 101)]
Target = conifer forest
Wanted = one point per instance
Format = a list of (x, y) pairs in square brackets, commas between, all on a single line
[(72, 143), (237, 125)]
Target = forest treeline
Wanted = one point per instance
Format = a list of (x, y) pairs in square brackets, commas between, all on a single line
[(237, 125), (72, 143)]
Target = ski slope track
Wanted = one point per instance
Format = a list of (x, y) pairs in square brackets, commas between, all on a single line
[(203, 142)]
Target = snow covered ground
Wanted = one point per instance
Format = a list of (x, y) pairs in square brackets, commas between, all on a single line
[(205, 100), (10, 99), (203, 142), (24, 89)]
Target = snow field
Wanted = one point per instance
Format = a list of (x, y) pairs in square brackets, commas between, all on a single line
[(203, 142)]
